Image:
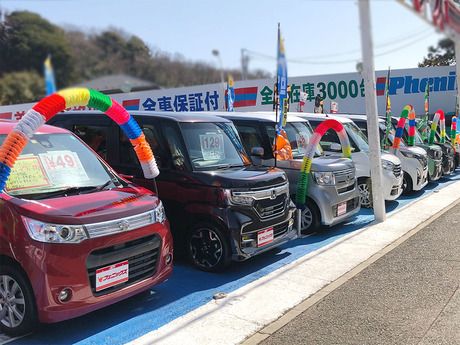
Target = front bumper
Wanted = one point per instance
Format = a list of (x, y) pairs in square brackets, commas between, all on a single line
[(245, 233), (66, 266), (393, 185), (421, 180), (328, 200), (435, 169)]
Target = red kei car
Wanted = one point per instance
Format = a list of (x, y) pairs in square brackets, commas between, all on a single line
[(74, 236)]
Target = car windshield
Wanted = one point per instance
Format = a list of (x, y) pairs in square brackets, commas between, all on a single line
[(54, 163), (299, 134), (357, 136), (213, 145)]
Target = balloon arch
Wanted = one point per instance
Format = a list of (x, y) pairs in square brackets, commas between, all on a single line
[(57, 102)]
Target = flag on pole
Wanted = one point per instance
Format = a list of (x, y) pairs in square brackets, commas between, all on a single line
[(282, 80), (282, 145), (230, 93), (387, 111), (50, 83), (424, 123)]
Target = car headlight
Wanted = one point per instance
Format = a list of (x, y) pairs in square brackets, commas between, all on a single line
[(54, 233), (387, 165), (324, 178), (236, 199), (159, 213)]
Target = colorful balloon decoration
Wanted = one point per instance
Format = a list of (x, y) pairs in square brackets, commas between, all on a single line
[(323, 127), (412, 126), (57, 102), (453, 133), (438, 117), (400, 127)]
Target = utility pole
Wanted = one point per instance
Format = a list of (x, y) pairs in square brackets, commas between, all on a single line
[(368, 74), (244, 64)]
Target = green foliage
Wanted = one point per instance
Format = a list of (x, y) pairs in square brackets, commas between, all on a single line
[(26, 39), (21, 87), (441, 55)]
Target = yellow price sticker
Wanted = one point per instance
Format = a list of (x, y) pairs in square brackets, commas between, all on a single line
[(27, 173)]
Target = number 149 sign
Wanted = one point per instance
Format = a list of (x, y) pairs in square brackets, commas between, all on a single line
[(63, 166)]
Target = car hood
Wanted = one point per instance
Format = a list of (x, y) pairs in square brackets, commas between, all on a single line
[(414, 149), (88, 208), (390, 157), (242, 177), (324, 163)]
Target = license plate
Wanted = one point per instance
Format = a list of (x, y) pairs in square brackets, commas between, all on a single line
[(341, 208), (112, 275), (265, 237)]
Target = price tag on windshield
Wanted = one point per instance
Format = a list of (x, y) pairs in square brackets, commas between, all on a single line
[(212, 146), (302, 141), (27, 173), (63, 167)]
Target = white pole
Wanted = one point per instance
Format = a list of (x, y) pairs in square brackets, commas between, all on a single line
[(457, 67), (371, 109)]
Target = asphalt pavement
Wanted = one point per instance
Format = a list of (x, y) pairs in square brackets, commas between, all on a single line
[(410, 295)]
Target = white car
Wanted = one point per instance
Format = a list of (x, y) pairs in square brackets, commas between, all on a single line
[(392, 175)]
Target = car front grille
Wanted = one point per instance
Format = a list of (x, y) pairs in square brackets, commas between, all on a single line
[(345, 180), (142, 255), (267, 208), (397, 170)]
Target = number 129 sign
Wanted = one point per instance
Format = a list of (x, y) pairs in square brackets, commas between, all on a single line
[(212, 146)]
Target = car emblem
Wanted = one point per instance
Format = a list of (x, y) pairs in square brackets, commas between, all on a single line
[(273, 195), (123, 225)]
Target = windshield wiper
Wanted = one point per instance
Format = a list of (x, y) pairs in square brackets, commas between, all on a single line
[(226, 166), (66, 191)]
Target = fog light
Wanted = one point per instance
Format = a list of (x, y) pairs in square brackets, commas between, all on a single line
[(65, 295), (168, 259)]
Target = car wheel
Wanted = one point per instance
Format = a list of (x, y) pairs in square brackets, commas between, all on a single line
[(365, 193), (407, 184), (310, 218), (208, 248), (18, 313)]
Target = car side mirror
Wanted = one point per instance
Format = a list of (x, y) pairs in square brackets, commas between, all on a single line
[(335, 147), (257, 151)]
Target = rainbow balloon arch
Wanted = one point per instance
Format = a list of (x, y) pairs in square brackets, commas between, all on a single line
[(453, 133), (438, 117), (57, 102), (323, 127), (408, 109)]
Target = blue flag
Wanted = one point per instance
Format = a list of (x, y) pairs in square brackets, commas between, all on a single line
[(282, 81), (50, 83)]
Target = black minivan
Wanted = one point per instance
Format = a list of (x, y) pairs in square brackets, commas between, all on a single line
[(220, 206)]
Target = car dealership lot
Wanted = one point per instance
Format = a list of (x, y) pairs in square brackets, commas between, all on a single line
[(188, 289)]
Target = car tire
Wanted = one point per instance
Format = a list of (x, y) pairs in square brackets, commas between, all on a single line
[(365, 192), (207, 248), (310, 218), (407, 184), (18, 312)]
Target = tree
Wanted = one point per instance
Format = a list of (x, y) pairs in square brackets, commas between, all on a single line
[(26, 39), (441, 55), (21, 87)]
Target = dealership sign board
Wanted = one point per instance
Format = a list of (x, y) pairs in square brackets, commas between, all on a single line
[(406, 86)]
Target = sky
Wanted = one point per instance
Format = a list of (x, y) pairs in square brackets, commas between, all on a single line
[(321, 36)]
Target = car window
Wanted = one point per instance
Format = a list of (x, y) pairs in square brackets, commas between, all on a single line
[(250, 136), (175, 146), (55, 162), (94, 136)]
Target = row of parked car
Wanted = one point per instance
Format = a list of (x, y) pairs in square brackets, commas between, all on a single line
[(79, 232)]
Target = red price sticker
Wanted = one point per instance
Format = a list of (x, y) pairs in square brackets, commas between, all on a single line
[(63, 167)]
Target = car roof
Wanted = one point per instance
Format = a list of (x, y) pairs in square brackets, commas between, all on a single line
[(321, 117), (356, 117), (268, 116), (169, 115), (7, 126)]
